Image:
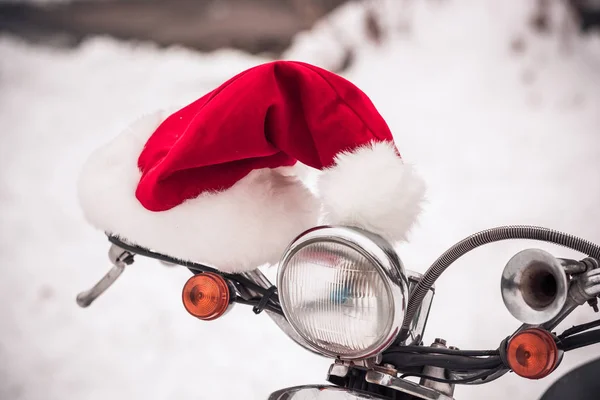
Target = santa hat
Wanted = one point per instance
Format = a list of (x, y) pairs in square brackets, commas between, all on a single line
[(209, 183)]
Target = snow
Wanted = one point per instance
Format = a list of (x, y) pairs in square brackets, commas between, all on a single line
[(501, 137)]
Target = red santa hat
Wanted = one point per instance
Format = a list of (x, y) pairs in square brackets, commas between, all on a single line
[(209, 183)]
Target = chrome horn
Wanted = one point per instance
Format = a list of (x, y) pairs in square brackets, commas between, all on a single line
[(534, 286)]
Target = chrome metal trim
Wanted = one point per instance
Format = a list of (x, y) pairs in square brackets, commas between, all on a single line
[(325, 392), (522, 286), (116, 256), (383, 258), (572, 267), (343, 366), (405, 386), (338, 369)]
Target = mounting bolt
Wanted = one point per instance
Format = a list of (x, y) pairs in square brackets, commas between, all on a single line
[(453, 348), (440, 341)]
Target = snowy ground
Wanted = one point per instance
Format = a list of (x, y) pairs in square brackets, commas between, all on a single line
[(501, 137)]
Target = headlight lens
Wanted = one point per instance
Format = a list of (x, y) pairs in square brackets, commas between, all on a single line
[(343, 290)]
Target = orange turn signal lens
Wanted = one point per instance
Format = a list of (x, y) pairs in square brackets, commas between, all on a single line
[(206, 296), (532, 353)]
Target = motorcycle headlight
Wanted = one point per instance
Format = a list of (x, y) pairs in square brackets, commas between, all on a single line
[(343, 290)]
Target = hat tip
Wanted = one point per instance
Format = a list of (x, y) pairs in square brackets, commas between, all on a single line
[(374, 189)]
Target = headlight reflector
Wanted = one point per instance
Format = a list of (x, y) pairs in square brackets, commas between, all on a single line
[(343, 290)]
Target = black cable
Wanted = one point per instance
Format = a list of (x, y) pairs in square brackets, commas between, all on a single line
[(473, 378), (579, 328), (435, 350), (450, 362), (254, 303), (580, 340), (264, 301)]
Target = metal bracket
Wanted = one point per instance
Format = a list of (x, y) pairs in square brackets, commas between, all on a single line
[(437, 372), (119, 259), (405, 386), (384, 375), (365, 363), (340, 368)]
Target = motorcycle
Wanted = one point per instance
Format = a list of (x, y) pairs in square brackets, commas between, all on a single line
[(344, 293)]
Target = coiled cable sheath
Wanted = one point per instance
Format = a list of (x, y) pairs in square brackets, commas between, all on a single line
[(484, 237)]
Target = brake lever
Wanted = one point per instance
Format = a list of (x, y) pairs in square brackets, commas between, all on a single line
[(119, 259)]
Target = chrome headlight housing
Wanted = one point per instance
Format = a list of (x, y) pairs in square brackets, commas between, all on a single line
[(343, 290)]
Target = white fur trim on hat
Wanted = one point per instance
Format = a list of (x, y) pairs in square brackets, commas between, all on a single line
[(372, 188), (235, 230)]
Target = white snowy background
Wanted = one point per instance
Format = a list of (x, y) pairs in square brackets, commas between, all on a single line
[(501, 136)]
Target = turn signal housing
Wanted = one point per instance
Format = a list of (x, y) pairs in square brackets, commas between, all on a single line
[(532, 353), (206, 296)]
